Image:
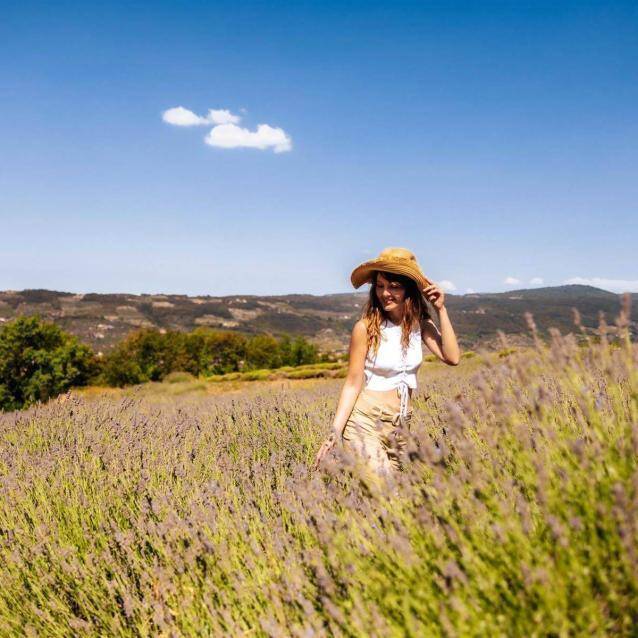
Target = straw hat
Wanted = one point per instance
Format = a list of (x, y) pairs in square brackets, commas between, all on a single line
[(396, 260)]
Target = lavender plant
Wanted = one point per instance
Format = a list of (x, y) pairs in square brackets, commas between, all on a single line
[(516, 514)]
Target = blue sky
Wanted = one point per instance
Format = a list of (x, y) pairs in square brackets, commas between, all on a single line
[(498, 141)]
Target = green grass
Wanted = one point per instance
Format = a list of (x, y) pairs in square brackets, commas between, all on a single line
[(179, 377), (309, 371), (162, 515)]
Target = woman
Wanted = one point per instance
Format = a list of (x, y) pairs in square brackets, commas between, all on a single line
[(385, 355)]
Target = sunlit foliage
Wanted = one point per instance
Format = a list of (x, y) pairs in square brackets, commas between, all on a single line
[(516, 515)]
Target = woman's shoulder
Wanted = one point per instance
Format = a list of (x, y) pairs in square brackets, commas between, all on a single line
[(360, 328)]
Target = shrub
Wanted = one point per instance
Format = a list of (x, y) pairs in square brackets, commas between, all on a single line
[(515, 514), (262, 351), (230, 376), (217, 351), (150, 355), (256, 375), (38, 360), (297, 352), (146, 355), (179, 377)]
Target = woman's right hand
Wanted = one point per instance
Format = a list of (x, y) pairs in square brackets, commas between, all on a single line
[(351, 387), (328, 444)]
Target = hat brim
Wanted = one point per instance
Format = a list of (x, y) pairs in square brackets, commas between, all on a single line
[(363, 273)]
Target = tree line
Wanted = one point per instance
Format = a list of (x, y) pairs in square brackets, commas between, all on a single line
[(39, 360)]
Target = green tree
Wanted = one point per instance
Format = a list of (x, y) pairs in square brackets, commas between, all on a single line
[(303, 352), (150, 355), (147, 355), (218, 351), (263, 351), (38, 360)]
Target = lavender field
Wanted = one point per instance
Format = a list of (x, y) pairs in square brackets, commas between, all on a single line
[(199, 515)]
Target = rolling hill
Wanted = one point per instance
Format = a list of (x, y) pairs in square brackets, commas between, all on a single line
[(103, 319)]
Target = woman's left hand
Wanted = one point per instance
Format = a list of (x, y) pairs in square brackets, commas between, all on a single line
[(434, 295)]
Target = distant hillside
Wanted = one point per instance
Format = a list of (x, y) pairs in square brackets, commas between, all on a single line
[(102, 320)]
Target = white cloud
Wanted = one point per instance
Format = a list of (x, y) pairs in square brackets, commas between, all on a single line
[(222, 116), (511, 281), (613, 285), (447, 285), (536, 281), (232, 136), (179, 116), (469, 291), (225, 132)]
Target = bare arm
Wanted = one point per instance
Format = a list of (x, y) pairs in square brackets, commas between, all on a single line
[(354, 379), (351, 388), (442, 344)]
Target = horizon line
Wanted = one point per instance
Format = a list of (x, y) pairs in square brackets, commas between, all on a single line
[(303, 294)]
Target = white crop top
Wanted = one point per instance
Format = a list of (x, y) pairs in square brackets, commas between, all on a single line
[(392, 366)]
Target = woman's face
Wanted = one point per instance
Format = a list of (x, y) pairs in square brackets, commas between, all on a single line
[(391, 294)]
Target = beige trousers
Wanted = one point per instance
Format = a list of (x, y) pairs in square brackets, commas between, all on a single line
[(374, 432)]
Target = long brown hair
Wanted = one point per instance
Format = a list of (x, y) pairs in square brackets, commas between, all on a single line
[(415, 309)]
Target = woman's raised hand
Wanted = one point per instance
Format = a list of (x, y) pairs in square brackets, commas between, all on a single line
[(434, 295)]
